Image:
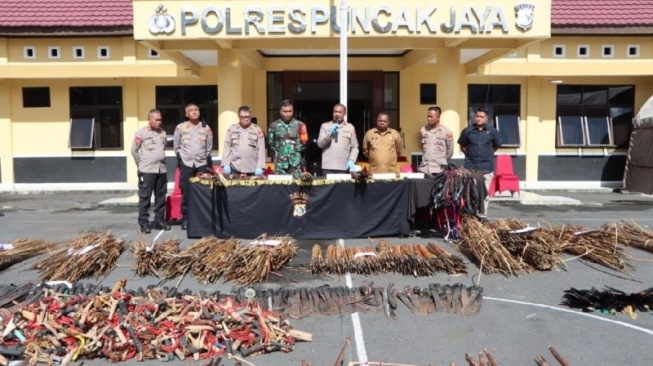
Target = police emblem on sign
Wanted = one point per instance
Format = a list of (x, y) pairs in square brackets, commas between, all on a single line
[(299, 201), (525, 14), (161, 21)]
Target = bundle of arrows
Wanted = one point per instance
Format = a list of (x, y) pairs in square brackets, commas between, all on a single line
[(413, 259), (87, 255)]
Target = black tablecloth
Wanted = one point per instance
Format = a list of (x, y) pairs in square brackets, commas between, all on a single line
[(338, 210)]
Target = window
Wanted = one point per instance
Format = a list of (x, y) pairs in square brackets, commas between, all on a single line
[(594, 115), (152, 53), (78, 52), (633, 50), (391, 98), (29, 52), (608, 51), (103, 52), (583, 51), (38, 97), (172, 101), (508, 126), (81, 133), (558, 50), (104, 106), (428, 94), (502, 103), (54, 52)]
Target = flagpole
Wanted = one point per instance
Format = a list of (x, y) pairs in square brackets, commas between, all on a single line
[(343, 52)]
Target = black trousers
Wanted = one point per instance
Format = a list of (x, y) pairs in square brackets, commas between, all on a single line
[(185, 173), (149, 183)]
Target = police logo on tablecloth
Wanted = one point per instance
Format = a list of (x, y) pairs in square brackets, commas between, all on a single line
[(161, 21), (299, 201), (525, 14)]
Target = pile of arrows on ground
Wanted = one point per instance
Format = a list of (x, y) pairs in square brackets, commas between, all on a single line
[(93, 255), (510, 246), (413, 259), (59, 324), (609, 301), (210, 258)]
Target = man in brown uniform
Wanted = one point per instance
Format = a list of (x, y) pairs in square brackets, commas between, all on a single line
[(382, 145), (338, 142), (148, 150), (193, 141), (244, 146), (437, 143)]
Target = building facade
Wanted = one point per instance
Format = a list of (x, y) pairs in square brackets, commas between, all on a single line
[(562, 79)]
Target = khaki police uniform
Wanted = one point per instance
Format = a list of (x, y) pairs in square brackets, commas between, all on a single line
[(244, 148), (338, 149), (148, 150), (382, 149), (192, 144), (437, 148)]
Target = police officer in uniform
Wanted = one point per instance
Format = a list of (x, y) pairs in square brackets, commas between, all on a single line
[(287, 137), (437, 143), (338, 142), (244, 146), (193, 141), (148, 150), (382, 146)]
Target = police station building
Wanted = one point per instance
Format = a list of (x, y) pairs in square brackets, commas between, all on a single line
[(561, 79)]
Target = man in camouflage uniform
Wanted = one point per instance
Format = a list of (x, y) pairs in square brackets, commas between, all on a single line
[(244, 146), (437, 143), (192, 144), (148, 150), (338, 142), (382, 146), (287, 137)]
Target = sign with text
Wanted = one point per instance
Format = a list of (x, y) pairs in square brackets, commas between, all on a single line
[(261, 19)]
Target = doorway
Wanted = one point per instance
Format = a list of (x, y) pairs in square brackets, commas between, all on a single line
[(314, 95)]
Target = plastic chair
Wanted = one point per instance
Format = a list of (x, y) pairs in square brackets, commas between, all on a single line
[(406, 168), (504, 177), (173, 202)]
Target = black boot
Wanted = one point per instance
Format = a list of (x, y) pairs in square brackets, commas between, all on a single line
[(145, 229), (161, 225), (184, 225)]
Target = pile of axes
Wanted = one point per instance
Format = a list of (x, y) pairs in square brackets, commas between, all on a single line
[(325, 300)]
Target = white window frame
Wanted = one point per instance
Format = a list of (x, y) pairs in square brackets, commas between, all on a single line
[(26, 49), (581, 46), (99, 52), (633, 46), (607, 47), (153, 53), (83, 52), (586, 129), (561, 137), (53, 49), (562, 47), (497, 126)]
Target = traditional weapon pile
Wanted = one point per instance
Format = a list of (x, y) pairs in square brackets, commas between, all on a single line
[(22, 249), (509, 246), (413, 259), (154, 324), (210, 258), (88, 255), (303, 302), (610, 300), (460, 187), (151, 257)]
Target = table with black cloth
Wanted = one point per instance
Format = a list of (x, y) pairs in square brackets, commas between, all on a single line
[(333, 210)]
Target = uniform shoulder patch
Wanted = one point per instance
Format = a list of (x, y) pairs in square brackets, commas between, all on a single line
[(449, 135), (138, 139)]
